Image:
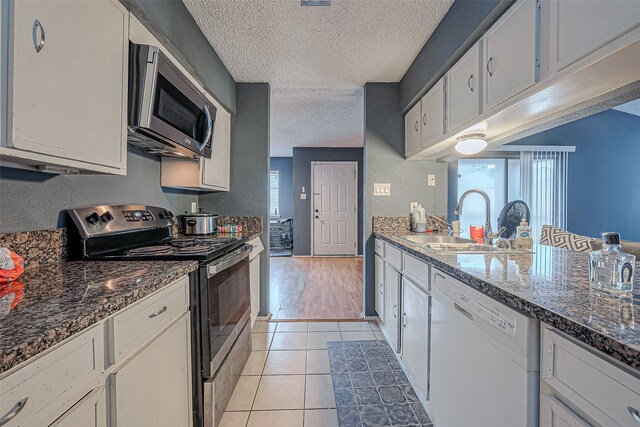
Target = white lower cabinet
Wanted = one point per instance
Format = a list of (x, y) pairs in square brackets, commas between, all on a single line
[(78, 383), (379, 290), (582, 387), (89, 412), (415, 332), (392, 281), (154, 388)]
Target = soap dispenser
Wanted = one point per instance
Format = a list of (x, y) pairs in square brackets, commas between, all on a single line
[(523, 240)]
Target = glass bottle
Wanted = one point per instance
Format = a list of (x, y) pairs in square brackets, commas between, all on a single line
[(610, 269)]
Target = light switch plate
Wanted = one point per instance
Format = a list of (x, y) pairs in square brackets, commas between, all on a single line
[(303, 196), (431, 180), (381, 189)]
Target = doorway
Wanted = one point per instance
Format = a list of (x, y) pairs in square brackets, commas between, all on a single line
[(334, 211)]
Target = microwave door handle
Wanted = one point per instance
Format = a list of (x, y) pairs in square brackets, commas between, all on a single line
[(207, 135)]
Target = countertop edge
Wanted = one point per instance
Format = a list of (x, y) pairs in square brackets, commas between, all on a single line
[(612, 347), (12, 359)]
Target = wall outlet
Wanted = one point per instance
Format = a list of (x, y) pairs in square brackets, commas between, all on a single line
[(431, 180), (381, 189), (194, 207), (412, 206), (303, 196)]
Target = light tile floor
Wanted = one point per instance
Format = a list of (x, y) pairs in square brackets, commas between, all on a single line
[(287, 379)]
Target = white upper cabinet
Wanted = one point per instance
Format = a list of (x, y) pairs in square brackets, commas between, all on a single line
[(580, 27), (510, 54), (67, 84), (463, 89), (412, 139), (215, 171), (432, 115)]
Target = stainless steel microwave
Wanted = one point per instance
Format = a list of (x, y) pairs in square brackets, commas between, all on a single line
[(167, 115)]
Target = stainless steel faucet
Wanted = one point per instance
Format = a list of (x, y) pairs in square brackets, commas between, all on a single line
[(488, 235)]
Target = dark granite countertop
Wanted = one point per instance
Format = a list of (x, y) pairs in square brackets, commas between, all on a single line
[(62, 299), (551, 285)]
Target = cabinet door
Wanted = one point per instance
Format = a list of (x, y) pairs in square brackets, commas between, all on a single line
[(215, 171), (70, 78), (154, 388), (432, 118), (463, 89), (379, 280), (392, 304), (553, 413), (412, 142), (579, 27), (415, 332), (510, 51), (89, 412), (254, 280)]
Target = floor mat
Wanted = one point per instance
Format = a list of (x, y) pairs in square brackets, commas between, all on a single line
[(370, 387)]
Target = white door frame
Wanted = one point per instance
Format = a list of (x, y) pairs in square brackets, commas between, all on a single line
[(355, 167)]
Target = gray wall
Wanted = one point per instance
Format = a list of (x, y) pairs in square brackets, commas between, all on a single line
[(36, 200), (461, 27), (302, 158), (284, 166), (171, 22), (249, 186), (385, 163)]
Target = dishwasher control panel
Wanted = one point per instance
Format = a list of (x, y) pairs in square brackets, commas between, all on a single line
[(497, 319)]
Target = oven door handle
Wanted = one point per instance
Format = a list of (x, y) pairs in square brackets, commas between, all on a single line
[(225, 263)]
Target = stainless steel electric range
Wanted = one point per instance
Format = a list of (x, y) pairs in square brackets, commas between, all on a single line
[(220, 289)]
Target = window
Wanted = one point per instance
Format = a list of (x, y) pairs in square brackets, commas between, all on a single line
[(537, 177), (274, 194)]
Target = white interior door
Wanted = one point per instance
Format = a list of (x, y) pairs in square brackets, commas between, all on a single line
[(334, 212)]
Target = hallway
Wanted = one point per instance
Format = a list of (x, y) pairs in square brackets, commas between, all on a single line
[(316, 288)]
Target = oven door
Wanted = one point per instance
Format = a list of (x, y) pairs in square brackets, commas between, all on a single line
[(226, 306)]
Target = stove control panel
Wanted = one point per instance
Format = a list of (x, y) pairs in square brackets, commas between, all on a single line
[(110, 219), (131, 216)]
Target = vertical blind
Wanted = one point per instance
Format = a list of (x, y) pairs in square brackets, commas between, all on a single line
[(274, 194), (543, 186)]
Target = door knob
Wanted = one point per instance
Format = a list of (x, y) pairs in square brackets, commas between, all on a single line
[(316, 210), (316, 216)]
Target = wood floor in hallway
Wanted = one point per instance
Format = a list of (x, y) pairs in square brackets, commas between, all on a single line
[(316, 288)]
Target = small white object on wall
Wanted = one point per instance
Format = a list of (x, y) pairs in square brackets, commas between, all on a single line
[(381, 189)]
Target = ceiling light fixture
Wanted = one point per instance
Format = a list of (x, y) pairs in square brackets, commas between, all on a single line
[(315, 2), (471, 144)]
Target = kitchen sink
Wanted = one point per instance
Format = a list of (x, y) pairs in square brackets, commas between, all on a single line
[(436, 239)]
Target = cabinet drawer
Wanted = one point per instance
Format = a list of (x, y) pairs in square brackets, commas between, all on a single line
[(54, 381), (393, 256), (138, 324), (603, 391), (418, 271), (379, 247)]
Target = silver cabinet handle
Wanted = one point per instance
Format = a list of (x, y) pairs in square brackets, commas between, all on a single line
[(634, 413), (380, 288), (38, 39), (489, 68), (424, 119), (158, 313), (393, 311), (469, 82), (19, 406), (404, 319), (416, 126)]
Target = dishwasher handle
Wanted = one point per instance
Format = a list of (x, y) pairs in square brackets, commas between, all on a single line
[(463, 311)]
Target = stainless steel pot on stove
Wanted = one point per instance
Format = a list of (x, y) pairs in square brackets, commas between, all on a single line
[(194, 224)]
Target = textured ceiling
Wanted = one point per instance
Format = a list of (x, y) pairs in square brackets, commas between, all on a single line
[(632, 107), (317, 59)]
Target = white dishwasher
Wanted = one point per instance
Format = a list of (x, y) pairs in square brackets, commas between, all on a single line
[(484, 360)]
